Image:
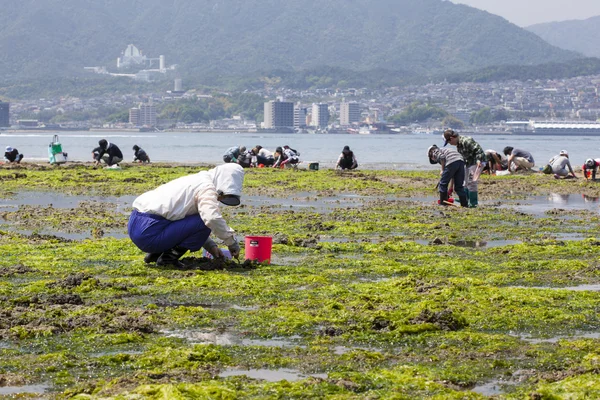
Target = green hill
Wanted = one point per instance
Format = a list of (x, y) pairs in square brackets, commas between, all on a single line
[(211, 39), (576, 35)]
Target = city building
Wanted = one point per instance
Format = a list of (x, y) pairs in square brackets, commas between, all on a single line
[(4, 115), (134, 116), (320, 115), (349, 113), (300, 116), (144, 115), (279, 114)]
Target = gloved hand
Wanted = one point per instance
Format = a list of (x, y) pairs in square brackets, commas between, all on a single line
[(234, 249), (216, 252)]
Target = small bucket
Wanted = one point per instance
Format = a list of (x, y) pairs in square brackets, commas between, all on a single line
[(313, 166), (258, 248)]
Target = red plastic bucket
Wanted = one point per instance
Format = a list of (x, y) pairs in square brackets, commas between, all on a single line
[(259, 248)]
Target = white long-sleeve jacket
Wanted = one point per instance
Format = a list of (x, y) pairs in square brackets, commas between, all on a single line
[(196, 193)]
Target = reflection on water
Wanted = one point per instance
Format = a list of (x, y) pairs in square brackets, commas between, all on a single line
[(569, 202), (35, 389), (271, 375), (228, 339), (60, 200), (555, 339)]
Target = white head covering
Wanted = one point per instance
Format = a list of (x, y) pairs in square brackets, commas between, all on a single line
[(564, 153), (9, 149), (228, 180)]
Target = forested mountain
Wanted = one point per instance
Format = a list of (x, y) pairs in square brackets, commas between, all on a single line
[(216, 38), (577, 35)]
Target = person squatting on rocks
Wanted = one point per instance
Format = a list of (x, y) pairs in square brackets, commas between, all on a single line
[(518, 159), (347, 160), (180, 215), (139, 155), (263, 156), (286, 155), (245, 159), (590, 167), (12, 155), (474, 158), (495, 161), (453, 167), (107, 152), (559, 165), (233, 153)]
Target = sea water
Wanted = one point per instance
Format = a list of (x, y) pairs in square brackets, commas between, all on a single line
[(375, 151)]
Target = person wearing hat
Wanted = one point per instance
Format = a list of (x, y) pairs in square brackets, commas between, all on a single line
[(453, 168), (475, 161), (139, 155), (12, 155), (233, 154), (559, 165), (108, 152), (180, 215), (590, 167), (347, 160)]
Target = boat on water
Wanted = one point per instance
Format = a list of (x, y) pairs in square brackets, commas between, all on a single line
[(366, 130), (554, 128), (426, 131)]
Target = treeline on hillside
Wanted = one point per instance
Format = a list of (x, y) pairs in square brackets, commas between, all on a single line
[(79, 86), (315, 78), (418, 112), (190, 110), (579, 67), (220, 106)]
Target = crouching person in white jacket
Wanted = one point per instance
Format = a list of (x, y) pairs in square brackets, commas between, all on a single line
[(180, 215)]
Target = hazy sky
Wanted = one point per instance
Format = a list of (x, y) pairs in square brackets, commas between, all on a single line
[(529, 12)]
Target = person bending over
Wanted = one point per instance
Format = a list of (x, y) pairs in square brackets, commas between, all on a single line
[(347, 160), (233, 153), (12, 155), (561, 166), (475, 161), (518, 159), (180, 215), (139, 155), (590, 167), (453, 167), (286, 155), (109, 153)]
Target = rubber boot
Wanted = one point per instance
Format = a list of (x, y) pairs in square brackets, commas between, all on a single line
[(179, 251), (464, 200), (473, 199), (151, 257), (170, 257), (443, 198)]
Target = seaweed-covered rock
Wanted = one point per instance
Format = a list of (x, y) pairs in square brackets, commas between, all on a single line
[(446, 320)]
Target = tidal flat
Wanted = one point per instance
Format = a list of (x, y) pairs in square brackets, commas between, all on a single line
[(373, 291)]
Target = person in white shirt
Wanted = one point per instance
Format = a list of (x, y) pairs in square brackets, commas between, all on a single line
[(180, 215), (263, 156)]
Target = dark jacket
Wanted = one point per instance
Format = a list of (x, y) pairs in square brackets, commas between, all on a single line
[(141, 155), (112, 151), (12, 156)]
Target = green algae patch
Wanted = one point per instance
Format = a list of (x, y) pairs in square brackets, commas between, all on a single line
[(373, 291)]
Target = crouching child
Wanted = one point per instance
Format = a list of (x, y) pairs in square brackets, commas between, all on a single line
[(453, 168)]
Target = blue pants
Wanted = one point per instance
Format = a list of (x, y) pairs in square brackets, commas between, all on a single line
[(455, 170), (155, 234)]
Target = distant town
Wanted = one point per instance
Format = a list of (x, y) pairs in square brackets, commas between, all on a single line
[(497, 108)]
